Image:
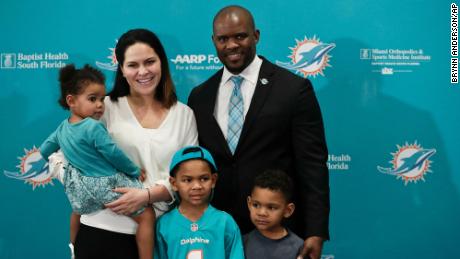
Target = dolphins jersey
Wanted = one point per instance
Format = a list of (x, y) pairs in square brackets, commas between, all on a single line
[(215, 235)]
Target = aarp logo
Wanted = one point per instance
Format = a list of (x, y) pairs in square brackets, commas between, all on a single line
[(309, 57), (196, 62), (195, 59)]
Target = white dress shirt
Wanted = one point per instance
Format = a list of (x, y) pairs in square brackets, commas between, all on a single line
[(248, 86)]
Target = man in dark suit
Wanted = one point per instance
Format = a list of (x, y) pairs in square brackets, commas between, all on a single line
[(269, 119)]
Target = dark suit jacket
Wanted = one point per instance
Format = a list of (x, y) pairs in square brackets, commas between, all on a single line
[(283, 129)]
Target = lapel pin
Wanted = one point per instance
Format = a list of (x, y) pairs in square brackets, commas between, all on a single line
[(264, 81)]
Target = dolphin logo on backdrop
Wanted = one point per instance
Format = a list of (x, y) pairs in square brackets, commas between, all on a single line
[(309, 57), (410, 163), (33, 169), (113, 64)]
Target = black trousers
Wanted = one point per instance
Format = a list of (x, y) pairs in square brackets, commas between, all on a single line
[(95, 243)]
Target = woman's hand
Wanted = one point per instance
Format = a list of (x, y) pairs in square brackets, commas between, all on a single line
[(132, 200)]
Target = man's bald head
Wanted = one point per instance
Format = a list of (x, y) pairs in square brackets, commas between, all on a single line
[(235, 38), (235, 11)]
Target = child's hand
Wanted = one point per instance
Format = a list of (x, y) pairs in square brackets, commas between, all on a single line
[(142, 175)]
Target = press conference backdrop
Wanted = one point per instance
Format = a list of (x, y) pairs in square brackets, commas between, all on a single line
[(381, 71)]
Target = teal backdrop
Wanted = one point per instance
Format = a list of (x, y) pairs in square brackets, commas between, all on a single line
[(383, 86)]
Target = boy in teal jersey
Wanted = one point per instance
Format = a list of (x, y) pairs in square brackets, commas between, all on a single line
[(195, 229)]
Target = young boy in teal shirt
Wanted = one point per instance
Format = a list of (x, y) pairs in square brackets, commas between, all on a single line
[(195, 229)]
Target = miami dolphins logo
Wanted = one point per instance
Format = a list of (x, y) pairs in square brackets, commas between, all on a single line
[(410, 163), (309, 57), (112, 65), (33, 169)]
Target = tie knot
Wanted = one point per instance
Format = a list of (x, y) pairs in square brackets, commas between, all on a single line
[(237, 80)]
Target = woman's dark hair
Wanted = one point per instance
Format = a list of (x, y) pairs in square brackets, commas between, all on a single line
[(73, 81), (165, 91)]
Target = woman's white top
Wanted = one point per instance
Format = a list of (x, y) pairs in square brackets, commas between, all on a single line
[(150, 149)]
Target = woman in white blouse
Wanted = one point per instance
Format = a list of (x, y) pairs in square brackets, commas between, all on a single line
[(147, 122)]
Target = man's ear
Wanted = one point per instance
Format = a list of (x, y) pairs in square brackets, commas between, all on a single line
[(256, 36), (289, 210)]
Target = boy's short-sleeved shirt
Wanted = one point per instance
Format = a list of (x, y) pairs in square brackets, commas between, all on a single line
[(258, 246), (214, 235)]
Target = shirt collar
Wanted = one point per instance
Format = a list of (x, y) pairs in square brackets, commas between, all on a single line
[(250, 73)]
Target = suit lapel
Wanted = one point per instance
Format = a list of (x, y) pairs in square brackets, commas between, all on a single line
[(263, 87)]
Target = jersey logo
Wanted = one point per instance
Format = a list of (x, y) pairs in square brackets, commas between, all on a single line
[(194, 227)]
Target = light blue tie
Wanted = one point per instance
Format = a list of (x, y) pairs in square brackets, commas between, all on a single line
[(235, 114)]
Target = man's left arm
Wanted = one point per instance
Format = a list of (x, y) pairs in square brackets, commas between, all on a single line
[(312, 176)]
